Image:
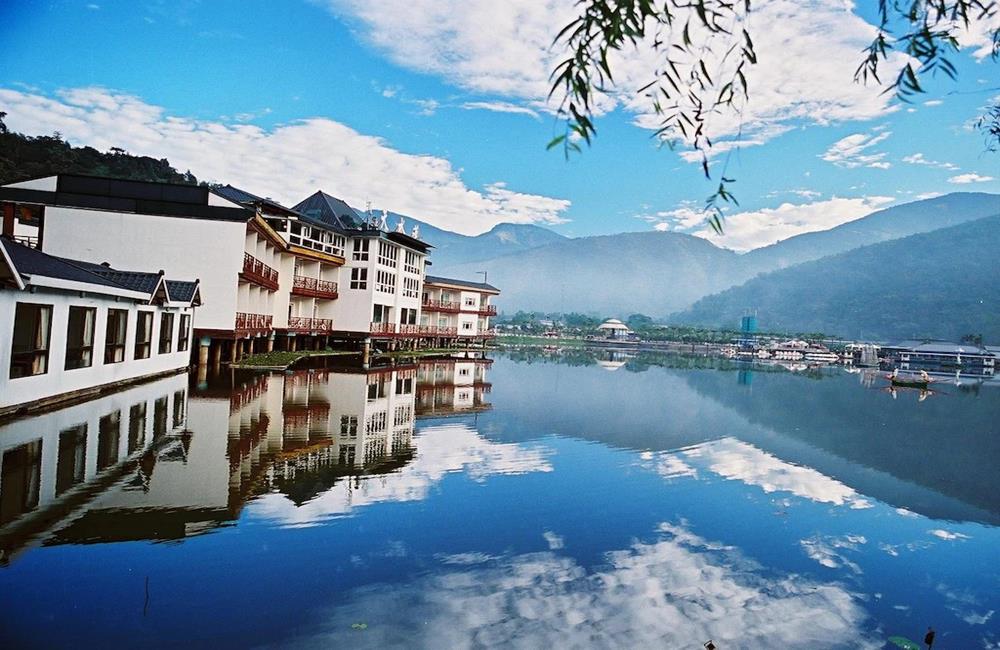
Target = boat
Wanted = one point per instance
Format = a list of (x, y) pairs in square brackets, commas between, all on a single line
[(921, 380)]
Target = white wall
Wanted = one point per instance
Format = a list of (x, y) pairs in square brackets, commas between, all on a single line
[(57, 380), (186, 249)]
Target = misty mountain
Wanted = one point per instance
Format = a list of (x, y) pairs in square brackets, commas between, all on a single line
[(941, 284), (647, 272), (884, 225), (657, 273)]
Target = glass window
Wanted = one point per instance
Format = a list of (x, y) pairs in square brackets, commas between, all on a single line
[(361, 250), (166, 333), (20, 480), (80, 337), (30, 343), (108, 439), (359, 278), (136, 426), (143, 334), (184, 333), (72, 459), (114, 343)]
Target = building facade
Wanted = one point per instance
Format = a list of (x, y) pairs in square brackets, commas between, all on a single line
[(70, 328), (459, 311)]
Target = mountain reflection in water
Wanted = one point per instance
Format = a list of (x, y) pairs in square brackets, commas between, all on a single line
[(556, 497)]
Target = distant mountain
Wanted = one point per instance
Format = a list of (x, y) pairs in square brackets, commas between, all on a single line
[(884, 225), (648, 272), (451, 249), (656, 273), (941, 284)]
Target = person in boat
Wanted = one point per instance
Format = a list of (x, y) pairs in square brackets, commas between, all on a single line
[(895, 373), (924, 376)]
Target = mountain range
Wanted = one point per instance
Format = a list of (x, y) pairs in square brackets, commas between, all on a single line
[(664, 273)]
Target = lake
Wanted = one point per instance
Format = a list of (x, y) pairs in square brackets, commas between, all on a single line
[(540, 498)]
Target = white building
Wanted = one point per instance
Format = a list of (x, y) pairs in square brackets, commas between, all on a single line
[(459, 310), (614, 329), (70, 329), (453, 385)]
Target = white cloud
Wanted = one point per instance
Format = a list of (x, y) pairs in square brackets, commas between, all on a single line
[(807, 52), (676, 591), (500, 107), (744, 231), (933, 102), (443, 449), (287, 162), (852, 151), (947, 534), (918, 159), (963, 179), (554, 541)]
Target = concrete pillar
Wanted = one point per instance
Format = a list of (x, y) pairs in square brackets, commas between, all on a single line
[(366, 351), (270, 343), (234, 351), (203, 345), (203, 375), (292, 343), (217, 354)]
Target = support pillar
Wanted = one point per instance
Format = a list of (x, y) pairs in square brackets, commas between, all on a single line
[(217, 354), (292, 343), (366, 351), (203, 345), (270, 343), (234, 351)]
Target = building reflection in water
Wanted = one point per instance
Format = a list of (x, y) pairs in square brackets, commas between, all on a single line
[(164, 461)]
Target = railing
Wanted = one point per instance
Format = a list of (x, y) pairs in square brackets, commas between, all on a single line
[(259, 273), (252, 323), (488, 310), (412, 331), (303, 324), (304, 286), (442, 305)]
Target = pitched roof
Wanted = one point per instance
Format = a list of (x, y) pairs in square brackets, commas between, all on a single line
[(236, 195), (329, 211), (482, 286), (29, 261)]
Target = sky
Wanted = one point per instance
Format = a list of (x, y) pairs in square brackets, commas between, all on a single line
[(437, 109)]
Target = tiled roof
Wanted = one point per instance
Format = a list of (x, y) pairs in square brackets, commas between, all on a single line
[(435, 279), (329, 211), (30, 261), (236, 195)]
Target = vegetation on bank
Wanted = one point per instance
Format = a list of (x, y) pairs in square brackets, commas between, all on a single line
[(283, 359)]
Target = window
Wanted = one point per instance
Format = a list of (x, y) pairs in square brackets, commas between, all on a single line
[(184, 333), (361, 250), (470, 301), (166, 333), (376, 389), (160, 418), (114, 344), (375, 423), (349, 425), (403, 415), (143, 334), (411, 263), (467, 326), (339, 241), (72, 459), (407, 316), (359, 278), (136, 426), (381, 313), (385, 281), (80, 337), (179, 408), (387, 254), (411, 287), (20, 480), (30, 343), (463, 372), (108, 438), (404, 386), (347, 455)]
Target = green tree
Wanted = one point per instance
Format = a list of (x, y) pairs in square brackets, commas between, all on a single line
[(705, 49)]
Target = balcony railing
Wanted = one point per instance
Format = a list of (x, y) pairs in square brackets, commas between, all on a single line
[(27, 240), (303, 324), (313, 287), (259, 273), (412, 331), (252, 323), (487, 310), (442, 305)]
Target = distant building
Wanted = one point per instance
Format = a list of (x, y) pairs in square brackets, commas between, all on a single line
[(458, 310), (452, 386), (614, 329), (69, 328), (940, 355)]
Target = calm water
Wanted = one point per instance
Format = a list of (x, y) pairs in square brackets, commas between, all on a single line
[(536, 500)]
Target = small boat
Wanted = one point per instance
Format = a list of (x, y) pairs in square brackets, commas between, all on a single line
[(921, 380)]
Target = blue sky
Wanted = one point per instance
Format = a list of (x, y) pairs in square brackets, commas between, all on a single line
[(435, 108)]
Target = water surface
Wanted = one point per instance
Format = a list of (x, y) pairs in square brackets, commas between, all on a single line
[(561, 499)]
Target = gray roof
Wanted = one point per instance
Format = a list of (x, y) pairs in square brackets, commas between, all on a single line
[(31, 261), (436, 279), (236, 195), (329, 211)]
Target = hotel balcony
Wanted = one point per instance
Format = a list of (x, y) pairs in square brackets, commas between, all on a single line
[(259, 273), (411, 331), (314, 288), (487, 310), (247, 324), (448, 306), (305, 325)]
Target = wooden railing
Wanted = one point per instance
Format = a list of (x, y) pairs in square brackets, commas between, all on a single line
[(259, 273), (305, 286), (412, 331), (253, 323), (303, 324), (442, 305), (488, 310)]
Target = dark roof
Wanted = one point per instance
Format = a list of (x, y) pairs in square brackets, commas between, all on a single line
[(329, 211), (435, 279), (181, 290), (142, 197), (236, 195), (30, 261)]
